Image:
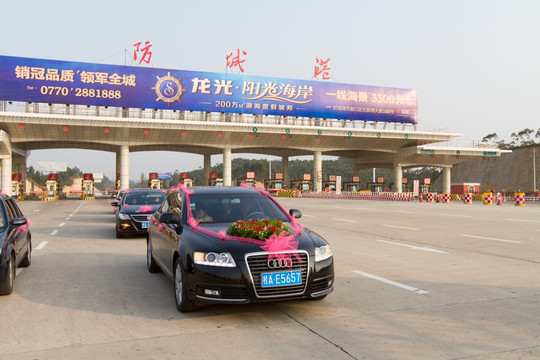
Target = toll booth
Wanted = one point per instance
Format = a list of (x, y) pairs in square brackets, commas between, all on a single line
[(404, 184), (275, 184), (52, 188), (303, 185), (17, 186), (354, 185), (426, 186), (154, 182), (186, 180), (376, 187), (330, 185), (87, 187), (212, 179), (250, 178)]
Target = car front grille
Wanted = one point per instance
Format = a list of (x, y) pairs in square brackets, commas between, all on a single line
[(258, 263), (140, 217)]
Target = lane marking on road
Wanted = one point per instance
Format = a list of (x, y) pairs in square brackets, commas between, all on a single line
[(523, 220), (403, 211), (345, 220), (304, 215), (390, 282), (67, 218), (54, 232), (70, 215), (456, 215), (62, 224), (362, 209), (422, 248), (41, 245), (489, 238), (401, 227), (18, 271), (36, 210)]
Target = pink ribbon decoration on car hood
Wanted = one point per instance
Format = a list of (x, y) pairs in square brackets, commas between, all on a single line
[(145, 209)]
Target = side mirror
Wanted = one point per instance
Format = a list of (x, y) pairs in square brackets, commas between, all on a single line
[(18, 221), (295, 213), (114, 203), (169, 218)]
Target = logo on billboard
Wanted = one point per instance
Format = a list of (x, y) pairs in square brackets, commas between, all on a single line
[(169, 89)]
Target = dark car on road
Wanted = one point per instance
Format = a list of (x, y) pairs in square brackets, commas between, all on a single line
[(15, 243), (190, 239), (135, 209)]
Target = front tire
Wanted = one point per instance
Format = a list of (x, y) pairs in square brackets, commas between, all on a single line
[(6, 287), (150, 262), (183, 304)]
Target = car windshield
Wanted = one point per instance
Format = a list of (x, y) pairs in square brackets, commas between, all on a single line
[(143, 198), (233, 207)]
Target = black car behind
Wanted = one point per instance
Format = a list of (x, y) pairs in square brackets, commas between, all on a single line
[(135, 210)]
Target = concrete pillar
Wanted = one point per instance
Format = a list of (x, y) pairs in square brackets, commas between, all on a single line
[(227, 167), (117, 169), (124, 167), (398, 177), (285, 167), (446, 179), (6, 175), (317, 171), (206, 169)]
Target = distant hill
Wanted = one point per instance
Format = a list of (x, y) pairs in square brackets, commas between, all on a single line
[(509, 172)]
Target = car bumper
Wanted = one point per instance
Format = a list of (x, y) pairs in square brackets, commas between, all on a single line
[(242, 284)]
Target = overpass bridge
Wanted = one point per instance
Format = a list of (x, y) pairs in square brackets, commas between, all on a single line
[(26, 126)]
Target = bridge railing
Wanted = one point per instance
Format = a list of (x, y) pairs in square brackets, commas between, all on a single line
[(166, 114)]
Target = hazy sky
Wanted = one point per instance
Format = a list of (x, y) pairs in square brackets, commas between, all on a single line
[(475, 63)]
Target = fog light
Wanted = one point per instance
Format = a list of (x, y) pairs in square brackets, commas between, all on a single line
[(125, 226), (211, 292)]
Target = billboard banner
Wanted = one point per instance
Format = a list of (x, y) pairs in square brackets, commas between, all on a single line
[(62, 82)]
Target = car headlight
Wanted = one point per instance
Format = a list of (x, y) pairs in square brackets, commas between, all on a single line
[(323, 252), (214, 259), (123, 216)]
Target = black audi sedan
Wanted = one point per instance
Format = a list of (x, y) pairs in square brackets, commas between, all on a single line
[(135, 210), (235, 245), (15, 242)]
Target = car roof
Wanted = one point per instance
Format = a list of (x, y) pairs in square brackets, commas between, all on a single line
[(145, 190), (224, 190)]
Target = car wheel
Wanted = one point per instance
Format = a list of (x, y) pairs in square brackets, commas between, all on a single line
[(6, 287), (183, 304), (152, 266), (28, 256)]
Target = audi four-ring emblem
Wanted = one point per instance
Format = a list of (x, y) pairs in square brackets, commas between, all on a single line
[(279, 263)]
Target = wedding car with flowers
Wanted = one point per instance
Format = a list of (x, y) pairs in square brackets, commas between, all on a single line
[(235, 245)]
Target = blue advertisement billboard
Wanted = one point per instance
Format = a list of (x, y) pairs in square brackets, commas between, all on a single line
[(63, 82)]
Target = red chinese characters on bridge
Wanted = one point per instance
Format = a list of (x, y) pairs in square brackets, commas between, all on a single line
[(145, 51), (236, 61), (322, 69)]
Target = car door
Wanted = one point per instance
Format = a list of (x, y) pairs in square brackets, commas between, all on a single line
[(17, 234), (170, 235)]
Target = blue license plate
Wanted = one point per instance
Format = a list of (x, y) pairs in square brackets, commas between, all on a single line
[(145, 224), (282, 278)]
